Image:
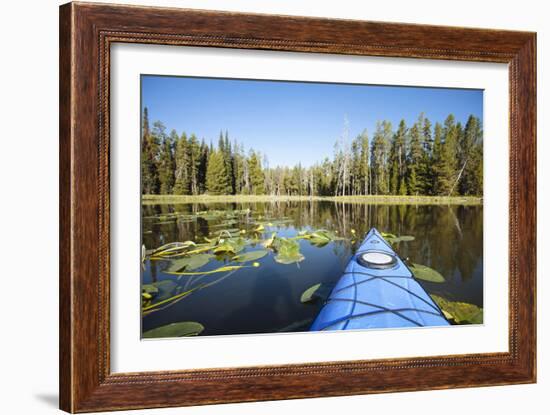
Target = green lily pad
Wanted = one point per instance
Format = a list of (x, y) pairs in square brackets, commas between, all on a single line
[(229, 246), (316, 292), (160, 290), (396, 239), (150, 289), (250, 256), (183, 329), (320, 237), (189, 263), (459, 312), (268, 243), (288, 251), (422, 272)]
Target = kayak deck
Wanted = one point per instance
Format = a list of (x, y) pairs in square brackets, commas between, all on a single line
[(371, 295)]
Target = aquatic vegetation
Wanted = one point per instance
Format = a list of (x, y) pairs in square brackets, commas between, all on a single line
[(320, 237), (317, 292), (189, 263), (422, 272), (214, 271), (183, 329), (228, 244), (250, 256), (160, 290), (150, 306), (189, 258), (268, 243), (288, 251), (459, 312), (172, 249), (393, 239)]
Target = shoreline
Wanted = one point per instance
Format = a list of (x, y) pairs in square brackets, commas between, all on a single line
[(370, 199)]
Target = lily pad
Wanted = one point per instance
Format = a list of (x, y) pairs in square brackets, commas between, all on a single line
[(268, 243), (250, 256), (288, 251), (315, 293), (459, 312), (319, 237), (422, 272), (183, 329), (396, 239), (160, 290), (189, 263), (150, 289), (232, 246)]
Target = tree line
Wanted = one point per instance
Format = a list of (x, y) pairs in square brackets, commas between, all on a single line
[(421, 159)]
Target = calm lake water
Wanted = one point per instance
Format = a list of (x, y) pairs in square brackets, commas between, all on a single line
[(266, 299)]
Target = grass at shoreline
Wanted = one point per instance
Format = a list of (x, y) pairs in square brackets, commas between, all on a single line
[(380, 200)]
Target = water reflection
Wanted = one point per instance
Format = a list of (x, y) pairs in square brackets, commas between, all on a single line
[(447, 238)]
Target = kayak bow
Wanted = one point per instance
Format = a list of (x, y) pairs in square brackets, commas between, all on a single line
[(377, 290)]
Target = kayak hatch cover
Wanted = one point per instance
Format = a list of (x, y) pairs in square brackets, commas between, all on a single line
[(377, 290)]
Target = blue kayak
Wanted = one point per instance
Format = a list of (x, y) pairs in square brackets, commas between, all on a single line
[(377, 290)]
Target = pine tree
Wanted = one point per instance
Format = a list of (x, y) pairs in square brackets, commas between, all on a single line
[(194, 154), (414, 160), (256, 174), (203, 165), (149, 149), (379, 159), (398, 159), (182, 184), (425, 172), (166, 164), (237, 168), (471, 158), (436, 156), (217, 181), (445, 165), (154, 140), (228, 159)]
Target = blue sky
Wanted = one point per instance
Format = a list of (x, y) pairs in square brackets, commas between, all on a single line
[(293, 122)]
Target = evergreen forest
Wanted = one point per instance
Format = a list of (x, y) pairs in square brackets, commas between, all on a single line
[(423, 159)]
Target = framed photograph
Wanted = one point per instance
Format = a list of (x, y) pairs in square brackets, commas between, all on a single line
[(259, 207)]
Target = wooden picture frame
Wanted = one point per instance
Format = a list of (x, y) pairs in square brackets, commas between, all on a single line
[(86, 33)]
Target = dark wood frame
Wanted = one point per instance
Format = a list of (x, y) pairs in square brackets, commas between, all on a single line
[(86, 33)]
